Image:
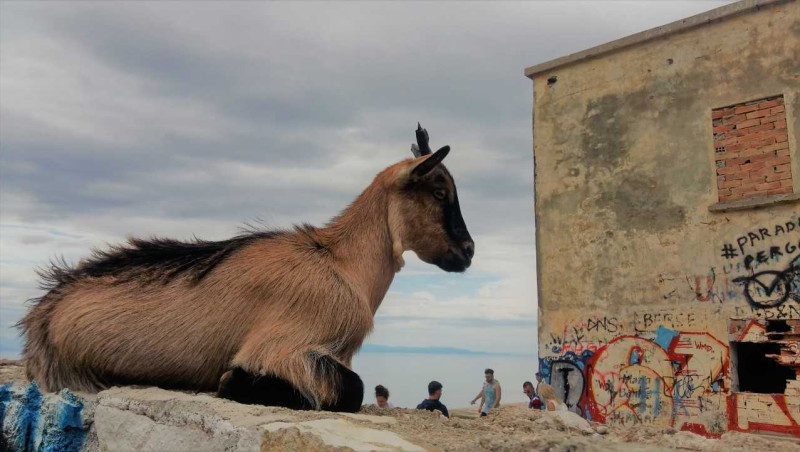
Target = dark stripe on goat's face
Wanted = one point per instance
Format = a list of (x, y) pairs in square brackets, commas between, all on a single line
[(453, 220)]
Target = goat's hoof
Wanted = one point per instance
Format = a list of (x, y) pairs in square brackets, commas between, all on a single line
[(223, 383)]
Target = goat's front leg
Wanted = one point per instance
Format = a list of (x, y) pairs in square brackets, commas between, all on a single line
[(351, 391), (311, 382), (241, 386)]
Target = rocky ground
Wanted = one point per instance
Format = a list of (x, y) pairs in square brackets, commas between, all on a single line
[(132, 418), (11, 371), (515, 428)]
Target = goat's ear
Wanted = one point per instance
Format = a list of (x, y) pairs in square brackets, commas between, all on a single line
[(430, 163)]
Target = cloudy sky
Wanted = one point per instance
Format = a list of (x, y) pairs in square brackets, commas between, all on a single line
[(180, 119)]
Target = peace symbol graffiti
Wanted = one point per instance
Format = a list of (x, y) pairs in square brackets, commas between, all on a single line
[(770, 288)]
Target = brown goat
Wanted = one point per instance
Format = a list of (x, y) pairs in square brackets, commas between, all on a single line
[(267, 317)]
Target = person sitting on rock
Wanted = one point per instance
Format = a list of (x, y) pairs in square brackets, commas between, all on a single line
[(432, 402), (382, 397), (548, 395)]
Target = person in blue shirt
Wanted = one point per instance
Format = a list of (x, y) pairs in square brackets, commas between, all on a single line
[(489, 395)]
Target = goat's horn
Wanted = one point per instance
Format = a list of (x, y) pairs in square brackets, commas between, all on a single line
[(422, 142)]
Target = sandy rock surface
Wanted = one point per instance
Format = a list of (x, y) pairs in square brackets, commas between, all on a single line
[(11, 371), (516, 428), (147, 418)]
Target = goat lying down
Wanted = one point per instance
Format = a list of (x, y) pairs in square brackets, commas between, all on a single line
[(272, 318)]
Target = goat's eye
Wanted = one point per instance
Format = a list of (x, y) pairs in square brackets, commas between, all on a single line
[(439, 194)]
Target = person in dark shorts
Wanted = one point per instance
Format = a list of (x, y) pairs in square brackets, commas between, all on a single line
[(432, 402)]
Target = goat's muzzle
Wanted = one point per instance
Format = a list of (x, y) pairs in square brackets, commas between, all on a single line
[(458, 257)]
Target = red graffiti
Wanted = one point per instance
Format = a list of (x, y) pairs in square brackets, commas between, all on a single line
[(705, 347), (704, 296), (636, 380), (736, 413), (676, 380)]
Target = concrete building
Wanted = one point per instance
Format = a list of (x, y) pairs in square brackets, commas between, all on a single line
[(667, 177)]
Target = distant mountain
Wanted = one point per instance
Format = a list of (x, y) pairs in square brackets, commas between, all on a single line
[(373, 348)]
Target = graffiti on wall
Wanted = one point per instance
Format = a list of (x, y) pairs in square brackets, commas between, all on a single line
[(761, 267), (672, 378), (647, 321), (764, 413), (758, 245), (714, 286), (771, 288), (585, 334), (668, 380), (790, 309), (566, 374), (758, 254), (665, 365), (567, 379), (777, 413)]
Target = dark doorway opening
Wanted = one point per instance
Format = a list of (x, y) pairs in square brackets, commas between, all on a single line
[(778, 326), (758, 373)]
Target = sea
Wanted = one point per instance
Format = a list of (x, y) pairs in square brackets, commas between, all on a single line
[(407, 375)]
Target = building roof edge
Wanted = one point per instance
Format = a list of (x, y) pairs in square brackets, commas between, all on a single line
[(714, 15)]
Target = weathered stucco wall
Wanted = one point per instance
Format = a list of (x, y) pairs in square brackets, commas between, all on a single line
[(638, 280)]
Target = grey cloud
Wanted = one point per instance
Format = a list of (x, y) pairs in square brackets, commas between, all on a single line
[(112, 114), (34, 239)]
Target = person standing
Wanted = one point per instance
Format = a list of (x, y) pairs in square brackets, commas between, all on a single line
[(432, 402), (489, 395)]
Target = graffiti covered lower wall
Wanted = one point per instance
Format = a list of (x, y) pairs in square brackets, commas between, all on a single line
[(671, 378), (659, 301), (672, 364), (667, 377)]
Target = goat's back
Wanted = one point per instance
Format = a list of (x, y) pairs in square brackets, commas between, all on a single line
[(98, 331)]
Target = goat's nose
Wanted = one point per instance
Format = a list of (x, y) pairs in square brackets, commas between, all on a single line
[(469, 249)]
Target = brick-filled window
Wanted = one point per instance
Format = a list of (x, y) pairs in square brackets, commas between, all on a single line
[(751, 148)]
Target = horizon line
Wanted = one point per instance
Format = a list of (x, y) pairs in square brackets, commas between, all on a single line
[(380, 348)]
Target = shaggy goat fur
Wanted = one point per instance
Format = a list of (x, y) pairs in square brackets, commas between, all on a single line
[(292, 304)]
